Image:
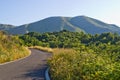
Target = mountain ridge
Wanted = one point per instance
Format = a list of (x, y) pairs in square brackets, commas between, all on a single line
[(58, 23), (6, 26)]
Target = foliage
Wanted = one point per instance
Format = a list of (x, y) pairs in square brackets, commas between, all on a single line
[(67, 39), (10, 48), (83, 65), (63, 39), (82, 57)]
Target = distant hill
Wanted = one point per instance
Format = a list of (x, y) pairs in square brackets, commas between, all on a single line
[(75, 24), (6, 27), (93, 26)]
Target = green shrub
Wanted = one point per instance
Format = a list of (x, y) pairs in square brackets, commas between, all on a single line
[(83, 66)]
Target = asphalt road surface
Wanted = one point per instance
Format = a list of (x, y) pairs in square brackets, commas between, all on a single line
[(30, 68)]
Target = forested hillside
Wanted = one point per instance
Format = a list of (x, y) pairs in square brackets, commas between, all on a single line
[(11, 48), (67, 39), (83, 57)]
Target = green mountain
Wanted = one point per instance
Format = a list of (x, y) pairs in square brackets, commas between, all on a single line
[(79, 23)]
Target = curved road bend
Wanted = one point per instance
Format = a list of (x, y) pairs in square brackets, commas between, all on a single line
[(30, 68)]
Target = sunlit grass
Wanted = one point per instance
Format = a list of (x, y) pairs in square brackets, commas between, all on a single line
[(68, 64), (10, 48), (63, 50), (46, 49)]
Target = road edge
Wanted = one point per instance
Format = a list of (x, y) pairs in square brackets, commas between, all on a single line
[(47, 77)]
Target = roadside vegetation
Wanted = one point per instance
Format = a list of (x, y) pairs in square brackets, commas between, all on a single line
[(45, 49), (79, 56), (84, 65), (11, 48)]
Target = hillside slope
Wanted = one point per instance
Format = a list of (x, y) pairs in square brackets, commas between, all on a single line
[(75, 24), (10, 48), (6, 26), (93, 26)]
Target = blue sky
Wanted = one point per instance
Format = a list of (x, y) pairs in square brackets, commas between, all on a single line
[(18, 12)]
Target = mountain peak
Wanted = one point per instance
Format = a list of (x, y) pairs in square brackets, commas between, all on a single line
[(58, 23)]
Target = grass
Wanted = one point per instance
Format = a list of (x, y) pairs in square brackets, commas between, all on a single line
[(68, 64), (62, 50), (10, 48), (46, 49)]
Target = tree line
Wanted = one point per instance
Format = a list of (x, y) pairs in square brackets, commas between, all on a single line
[(67, 39)]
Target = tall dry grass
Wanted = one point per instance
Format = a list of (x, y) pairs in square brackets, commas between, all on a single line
[(67, 64), (10, 48), (46, 49)]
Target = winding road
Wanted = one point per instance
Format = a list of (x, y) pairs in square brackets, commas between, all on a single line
[(30, 68)]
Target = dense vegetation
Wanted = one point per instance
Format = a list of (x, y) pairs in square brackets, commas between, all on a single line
[(55, 39), (85, 64), (87, 57), (66, 39), (11, 48)]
